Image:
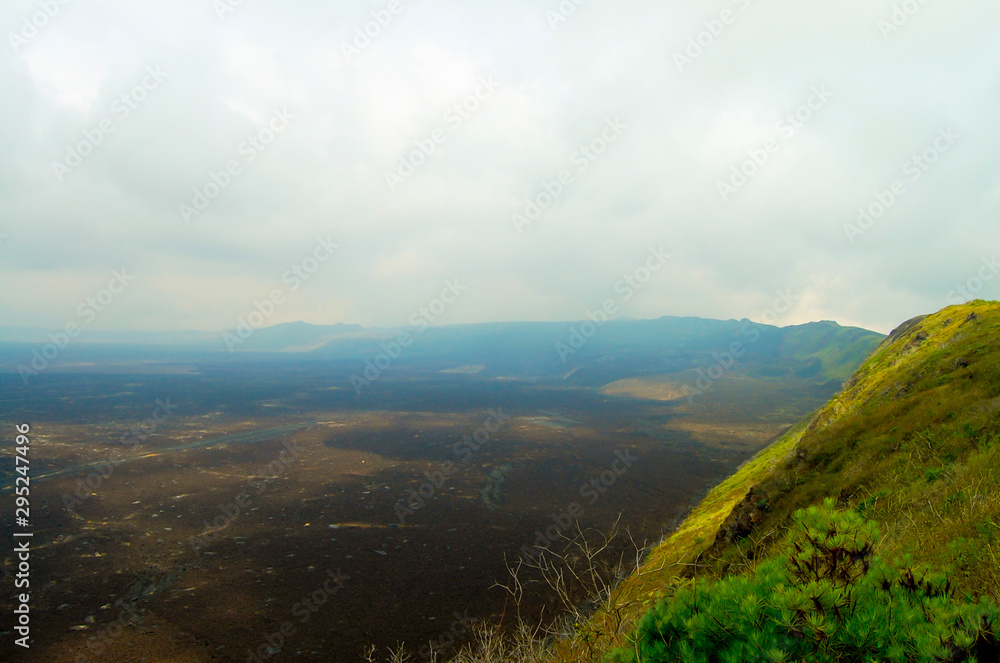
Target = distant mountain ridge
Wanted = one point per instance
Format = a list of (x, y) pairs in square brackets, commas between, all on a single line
[(665, 345), (584, 353), (911, 443), (275, 338)]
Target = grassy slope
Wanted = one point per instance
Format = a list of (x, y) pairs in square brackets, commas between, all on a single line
[(839, 349), (911, 442)]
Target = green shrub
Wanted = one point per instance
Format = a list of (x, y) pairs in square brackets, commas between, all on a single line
[(826, 598)]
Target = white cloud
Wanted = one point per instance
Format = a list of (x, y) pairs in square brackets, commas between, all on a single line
[(784, 228)]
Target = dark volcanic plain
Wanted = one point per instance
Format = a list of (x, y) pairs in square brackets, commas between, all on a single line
[(197, 585)]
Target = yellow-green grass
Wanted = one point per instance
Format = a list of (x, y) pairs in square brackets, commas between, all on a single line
[(912, 442)]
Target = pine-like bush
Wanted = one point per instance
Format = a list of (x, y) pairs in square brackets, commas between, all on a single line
[(827, 598)]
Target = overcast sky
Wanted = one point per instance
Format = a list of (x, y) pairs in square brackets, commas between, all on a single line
[(671, 120)]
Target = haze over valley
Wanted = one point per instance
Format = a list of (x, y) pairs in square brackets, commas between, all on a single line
[(557, 331)]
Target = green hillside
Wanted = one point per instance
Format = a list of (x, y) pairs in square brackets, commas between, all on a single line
[(832, 349), (909, 446), (868, 532)]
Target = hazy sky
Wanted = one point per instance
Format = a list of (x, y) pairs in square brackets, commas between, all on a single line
[(114, 112)]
